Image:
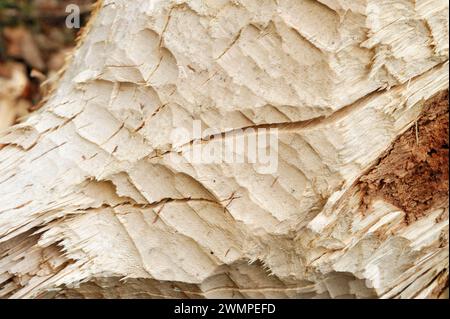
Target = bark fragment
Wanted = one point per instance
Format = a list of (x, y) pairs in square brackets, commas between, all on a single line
[(413, 175)]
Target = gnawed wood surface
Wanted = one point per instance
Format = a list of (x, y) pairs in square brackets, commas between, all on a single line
[(94, 204)]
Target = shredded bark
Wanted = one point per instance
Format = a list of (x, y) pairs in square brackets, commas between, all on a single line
[(413, 175)]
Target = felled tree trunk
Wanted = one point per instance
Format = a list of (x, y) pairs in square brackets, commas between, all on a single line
[(97, 199)]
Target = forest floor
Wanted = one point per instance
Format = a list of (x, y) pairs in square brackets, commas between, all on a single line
[(34, 44)]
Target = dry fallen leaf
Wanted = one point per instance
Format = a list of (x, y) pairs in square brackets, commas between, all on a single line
[(13, 84), (38, 75), (21, 45)]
